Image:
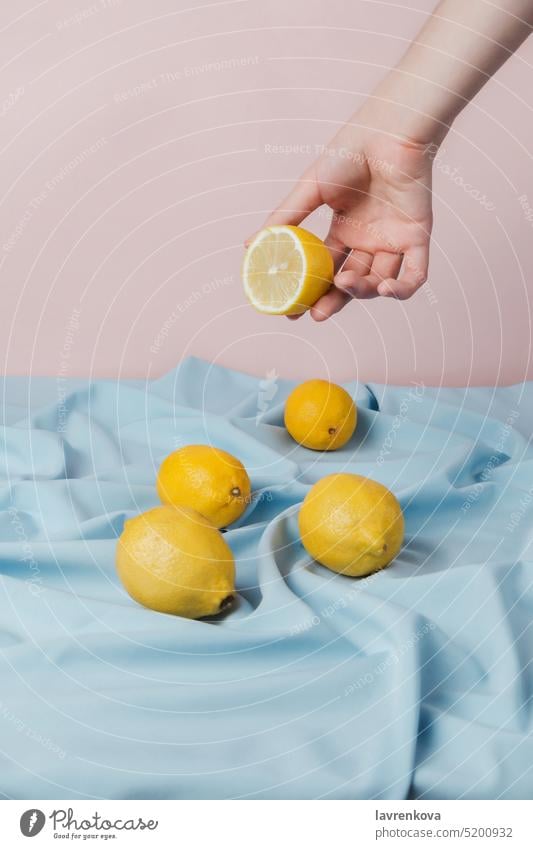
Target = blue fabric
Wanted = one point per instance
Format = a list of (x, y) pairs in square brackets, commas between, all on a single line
[(414, 682)]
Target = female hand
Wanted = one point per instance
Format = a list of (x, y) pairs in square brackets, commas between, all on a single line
[(376, 174), (379, 188)]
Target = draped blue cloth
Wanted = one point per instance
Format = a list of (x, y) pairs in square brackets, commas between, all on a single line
[(416, 682)]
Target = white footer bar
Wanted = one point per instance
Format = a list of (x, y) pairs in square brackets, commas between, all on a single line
[(267, 824)]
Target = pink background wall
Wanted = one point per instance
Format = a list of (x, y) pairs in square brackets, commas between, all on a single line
[(133, 166)]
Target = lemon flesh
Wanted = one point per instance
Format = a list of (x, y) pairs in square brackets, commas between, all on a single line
[(286, 270), (208, 480), (320, 415), (351, 524), (173, 560)]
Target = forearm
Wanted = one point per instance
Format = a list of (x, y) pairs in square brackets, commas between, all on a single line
[(460, 47)]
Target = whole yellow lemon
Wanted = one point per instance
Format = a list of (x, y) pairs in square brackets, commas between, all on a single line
[(174, 560), (320, 415), (206, 479), (351, 524)]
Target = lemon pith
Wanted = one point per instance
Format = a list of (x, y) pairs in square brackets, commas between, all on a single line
[(320, 415), (208, 480), (286, 270), (173, 560), (351, 524)]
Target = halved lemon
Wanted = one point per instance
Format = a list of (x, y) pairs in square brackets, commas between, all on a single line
[(286, 270)]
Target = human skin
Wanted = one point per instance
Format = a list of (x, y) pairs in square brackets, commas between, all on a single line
[(376, 172)]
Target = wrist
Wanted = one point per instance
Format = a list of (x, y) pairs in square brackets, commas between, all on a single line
[(405, 110)]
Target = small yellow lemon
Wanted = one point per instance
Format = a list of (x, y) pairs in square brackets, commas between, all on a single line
[(351, 524), (206, 479), (286, 270), (320, 415), (173, 560)]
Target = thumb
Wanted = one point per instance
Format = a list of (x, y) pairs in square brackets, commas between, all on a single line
[(303, 199), (299, 203)]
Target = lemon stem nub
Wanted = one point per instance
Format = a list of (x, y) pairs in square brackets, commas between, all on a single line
[(332, 431), (235, 492)]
